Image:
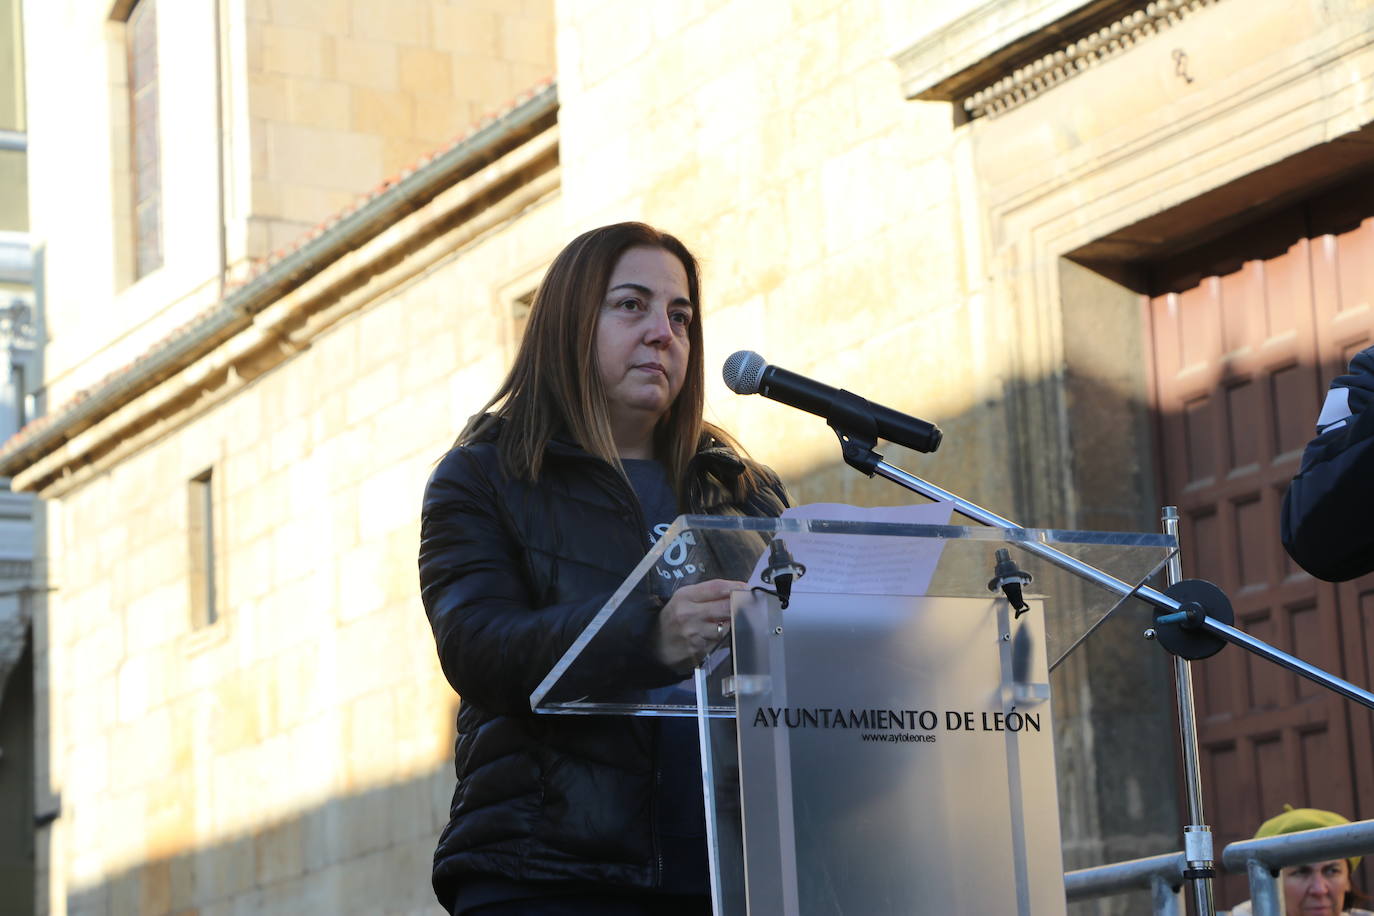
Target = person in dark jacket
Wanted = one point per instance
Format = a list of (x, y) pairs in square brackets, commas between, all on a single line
[(549, 498), (1327, 513)]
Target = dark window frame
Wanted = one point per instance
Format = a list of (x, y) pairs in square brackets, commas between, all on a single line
[(205, 611), (145, 153)]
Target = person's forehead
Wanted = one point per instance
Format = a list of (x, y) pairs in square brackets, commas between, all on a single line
[(1319, 866), (645, 258)]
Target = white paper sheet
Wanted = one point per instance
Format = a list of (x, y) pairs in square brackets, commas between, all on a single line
[(863, 564)]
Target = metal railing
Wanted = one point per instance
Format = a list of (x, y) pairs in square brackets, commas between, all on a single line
[(1162, 876), (1260, 860)]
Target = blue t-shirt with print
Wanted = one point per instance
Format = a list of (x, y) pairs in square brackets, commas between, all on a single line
[(679, 802)]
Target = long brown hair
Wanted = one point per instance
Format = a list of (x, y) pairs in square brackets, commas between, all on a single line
[(554, 385)]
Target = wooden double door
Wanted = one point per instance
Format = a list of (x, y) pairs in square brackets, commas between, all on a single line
[(1246, 333)]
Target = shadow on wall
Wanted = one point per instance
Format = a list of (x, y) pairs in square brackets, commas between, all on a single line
[(16, 795), (364, 854)]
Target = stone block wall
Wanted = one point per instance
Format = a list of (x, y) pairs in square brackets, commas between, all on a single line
[(321, 102), (294, 756), (825, 207), (342, 95)]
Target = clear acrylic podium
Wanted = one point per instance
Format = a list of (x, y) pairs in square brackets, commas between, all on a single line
[(885, 744)]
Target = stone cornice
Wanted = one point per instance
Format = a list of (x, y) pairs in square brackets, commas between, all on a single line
[(980, 46), (1006, 52), (1075, 57), (408, 243)]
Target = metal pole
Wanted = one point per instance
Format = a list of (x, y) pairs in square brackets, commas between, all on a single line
[(1283, 659), (1264, 890), (708, 785), (1144, 592), (1197, 836), (1165, 899)]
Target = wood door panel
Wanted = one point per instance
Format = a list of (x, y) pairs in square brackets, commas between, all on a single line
[(1343, 274), (1356, 603), (1246, 333), (1291, 394)]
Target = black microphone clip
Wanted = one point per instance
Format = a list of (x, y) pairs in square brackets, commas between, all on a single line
[(1010, 578), (781, 571)]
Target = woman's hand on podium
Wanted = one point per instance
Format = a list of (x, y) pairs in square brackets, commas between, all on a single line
[(693, 622)]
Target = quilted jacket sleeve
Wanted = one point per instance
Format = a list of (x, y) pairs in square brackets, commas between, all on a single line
[(494, 645), (1328, 512)]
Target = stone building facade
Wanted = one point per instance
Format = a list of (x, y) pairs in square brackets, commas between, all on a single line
[(957, 209)]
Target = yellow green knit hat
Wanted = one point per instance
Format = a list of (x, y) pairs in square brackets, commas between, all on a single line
[(1294, 819)]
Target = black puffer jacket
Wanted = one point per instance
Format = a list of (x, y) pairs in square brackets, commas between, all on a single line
[(510, 574), (1326, 511)]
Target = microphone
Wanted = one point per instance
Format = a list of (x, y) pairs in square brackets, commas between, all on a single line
[(746, 372)]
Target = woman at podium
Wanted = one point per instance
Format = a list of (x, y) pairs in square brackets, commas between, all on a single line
[(550, 496)]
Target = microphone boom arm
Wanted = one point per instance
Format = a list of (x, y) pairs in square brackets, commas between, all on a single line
[(1165, 605)]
